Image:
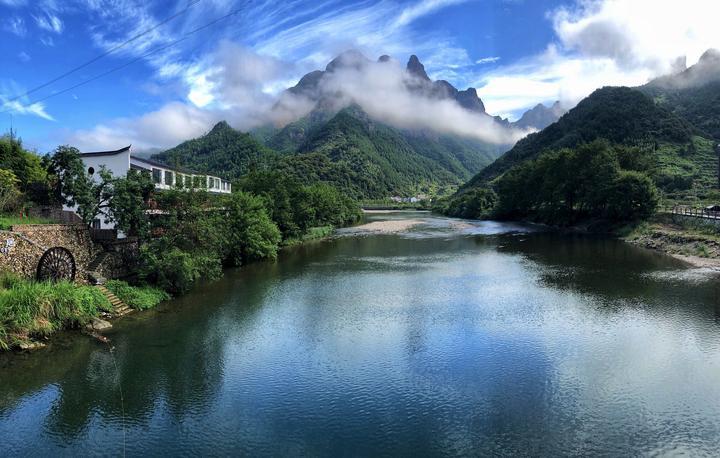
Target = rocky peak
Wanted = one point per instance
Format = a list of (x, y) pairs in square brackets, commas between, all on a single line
[(348, 59), (384, 58), (469, 100), (414, 67), (711, 56), (220, 127)]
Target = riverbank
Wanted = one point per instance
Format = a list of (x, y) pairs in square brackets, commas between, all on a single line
[(33, 311), (696, 245)]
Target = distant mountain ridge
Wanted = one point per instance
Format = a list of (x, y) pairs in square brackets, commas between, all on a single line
[(677, 116), (339, 143)]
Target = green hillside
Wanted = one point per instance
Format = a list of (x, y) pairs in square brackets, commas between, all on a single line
[(619, 114), (693, 94), (223, 151), (677, 156)]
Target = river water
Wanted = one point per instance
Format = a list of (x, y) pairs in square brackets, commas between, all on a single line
[(448, 339)]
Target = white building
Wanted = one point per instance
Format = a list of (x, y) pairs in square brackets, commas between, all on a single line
[(119, 162)]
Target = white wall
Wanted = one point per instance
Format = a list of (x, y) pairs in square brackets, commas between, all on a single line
[(118, 164)]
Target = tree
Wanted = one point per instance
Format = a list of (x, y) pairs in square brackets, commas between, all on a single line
[(252, 234), (129, 203), (9, 192), (75, 188), (632, 196)]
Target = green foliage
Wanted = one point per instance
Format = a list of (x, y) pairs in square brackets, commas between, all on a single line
[(476, 204), (129, 203), (618, 114), (375, 161), (7, 221), (140, 298), (175, 270), (562, 187), (32, 309), (73, 186), (27, 167), (223, 151), (251, 233), (9, 192), (295, 208), (632, 196)]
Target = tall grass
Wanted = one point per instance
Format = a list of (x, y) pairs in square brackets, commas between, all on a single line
[(36, 309), (7, 221), (140, 298)]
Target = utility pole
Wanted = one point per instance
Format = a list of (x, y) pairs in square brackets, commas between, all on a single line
[(717, 150)]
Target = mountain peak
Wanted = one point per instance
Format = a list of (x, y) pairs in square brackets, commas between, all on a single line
[(414, 67), (220, 127), (469, 99), (384, 58), (711, 56), (351, 58)]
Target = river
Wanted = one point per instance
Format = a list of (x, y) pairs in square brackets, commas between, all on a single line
[(447, 339)]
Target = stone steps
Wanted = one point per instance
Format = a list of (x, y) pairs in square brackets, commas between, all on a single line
[(119, 307)]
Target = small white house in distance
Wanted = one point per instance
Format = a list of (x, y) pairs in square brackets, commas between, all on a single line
[(119, 162)]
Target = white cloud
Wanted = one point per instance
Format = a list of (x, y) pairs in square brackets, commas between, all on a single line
[(487, 60), (421, 9), (13, 3), (165, 127), (49, 22), (23, 56), (381, 90), (36, 109), (21, 106), (603, 42), (15, 25)]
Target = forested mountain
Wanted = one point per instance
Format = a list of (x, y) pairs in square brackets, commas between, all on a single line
[(671, 123), (540, 116), (619, 114), (693, 94), (223, 151), (339, 143), (386, 161)]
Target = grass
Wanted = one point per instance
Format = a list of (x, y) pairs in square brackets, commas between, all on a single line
[(7, 221), (30, 309), (137, 297)]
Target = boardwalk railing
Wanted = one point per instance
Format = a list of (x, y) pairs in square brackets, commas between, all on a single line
[(692, 212)]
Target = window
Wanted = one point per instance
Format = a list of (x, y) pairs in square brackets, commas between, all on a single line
[(179, 180), (168, 178), (199, 182), (157, 176), (96, 223), (188, 181)]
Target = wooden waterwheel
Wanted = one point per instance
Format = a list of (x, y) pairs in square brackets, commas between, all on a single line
[(56, 264)]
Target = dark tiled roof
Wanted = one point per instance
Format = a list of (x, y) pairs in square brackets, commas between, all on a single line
[(106, 153)]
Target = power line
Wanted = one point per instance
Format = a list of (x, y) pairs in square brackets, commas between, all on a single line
[(120, 67), (110, 51)]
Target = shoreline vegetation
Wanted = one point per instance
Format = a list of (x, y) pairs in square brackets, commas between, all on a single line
[(185, 234), (695, 243)]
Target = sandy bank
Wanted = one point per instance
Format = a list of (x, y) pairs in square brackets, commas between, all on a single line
[(387, 227)]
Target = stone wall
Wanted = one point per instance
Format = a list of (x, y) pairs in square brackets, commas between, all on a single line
[(22, 247)]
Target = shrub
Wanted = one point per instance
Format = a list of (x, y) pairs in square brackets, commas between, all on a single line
[(140, 298), (175, 270)]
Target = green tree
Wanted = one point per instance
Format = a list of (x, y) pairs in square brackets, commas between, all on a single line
[(252, 234), (632, 196), (129, 203), (9, 192)]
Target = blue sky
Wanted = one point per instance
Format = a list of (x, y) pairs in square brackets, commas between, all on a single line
[(516, 52)]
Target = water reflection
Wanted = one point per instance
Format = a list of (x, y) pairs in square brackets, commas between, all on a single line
[(451, 339)]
